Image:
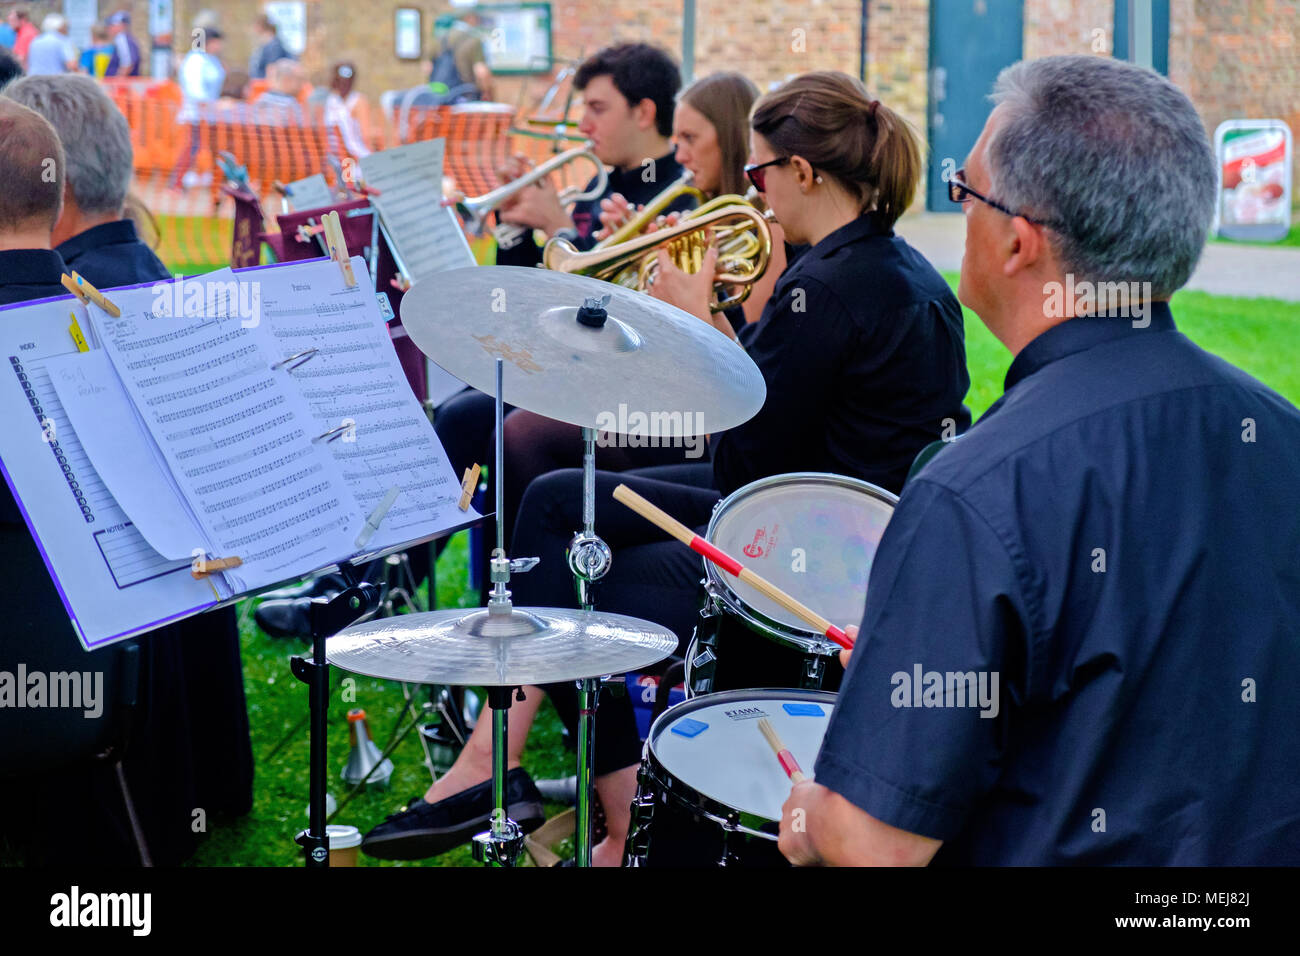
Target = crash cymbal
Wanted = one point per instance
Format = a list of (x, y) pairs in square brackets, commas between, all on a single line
[(672, 373), (475, 647)]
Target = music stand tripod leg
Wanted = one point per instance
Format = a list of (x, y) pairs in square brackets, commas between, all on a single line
[(327, 619)]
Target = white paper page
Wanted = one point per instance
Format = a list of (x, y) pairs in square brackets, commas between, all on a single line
[(116, 441), (354, 381), (235, 432), (113, 583), (310, 193), (425, 235)]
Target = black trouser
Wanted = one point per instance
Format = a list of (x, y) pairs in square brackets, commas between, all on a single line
[(534, 445), (653, 577)]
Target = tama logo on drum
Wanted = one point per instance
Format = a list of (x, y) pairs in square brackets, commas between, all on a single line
[(745, 713)]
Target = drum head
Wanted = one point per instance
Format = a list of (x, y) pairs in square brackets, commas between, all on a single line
[(728, 759), (812, 535)]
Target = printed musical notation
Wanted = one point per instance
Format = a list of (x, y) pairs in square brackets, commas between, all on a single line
[(354, 376), (425, 235), (235, 438)]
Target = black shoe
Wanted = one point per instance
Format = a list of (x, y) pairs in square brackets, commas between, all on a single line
[(426, 829), (287, 618), (313, 587), (560, 790)]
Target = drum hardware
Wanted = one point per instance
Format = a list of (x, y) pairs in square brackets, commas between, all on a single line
[(502, 647), (745, 637), (716, 556), (708, 794), (648, 355), (619, 343)]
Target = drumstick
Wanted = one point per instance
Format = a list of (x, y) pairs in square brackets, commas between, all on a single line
[(729, 564), (788, 763)]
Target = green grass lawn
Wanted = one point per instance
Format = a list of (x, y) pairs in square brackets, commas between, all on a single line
[(1259, 335)]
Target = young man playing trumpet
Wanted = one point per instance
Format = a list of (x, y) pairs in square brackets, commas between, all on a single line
[(627, 94)]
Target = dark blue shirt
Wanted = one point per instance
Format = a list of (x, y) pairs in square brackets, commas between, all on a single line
[(111, 254), (1119, 540), (637, 185), (862, 347), (30, 274)]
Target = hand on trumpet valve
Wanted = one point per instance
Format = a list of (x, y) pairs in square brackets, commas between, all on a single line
[(690, 291), (536, 208), (614, 212)]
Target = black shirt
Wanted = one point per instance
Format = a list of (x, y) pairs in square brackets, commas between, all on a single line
[(637, 185), (111, 254), (27, 274), (862, 348), (1116, 540)]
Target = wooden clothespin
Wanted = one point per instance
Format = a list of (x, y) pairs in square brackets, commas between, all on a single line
[(377, 517), (338, 246), (86, 292), (468, 485), (202, 567)]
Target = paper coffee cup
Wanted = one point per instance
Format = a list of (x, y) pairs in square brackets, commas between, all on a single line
[(345, 844)]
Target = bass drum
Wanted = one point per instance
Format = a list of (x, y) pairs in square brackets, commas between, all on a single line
[(710, 789), (812, 535)]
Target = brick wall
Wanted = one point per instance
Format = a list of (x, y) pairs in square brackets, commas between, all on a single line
[(1235, 58), (1239, 60), (1054, 27)]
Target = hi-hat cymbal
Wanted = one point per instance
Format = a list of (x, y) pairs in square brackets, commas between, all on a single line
[(673, 374), (474, 647)]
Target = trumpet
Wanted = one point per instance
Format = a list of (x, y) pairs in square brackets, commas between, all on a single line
[(507, 235), (629, 255)]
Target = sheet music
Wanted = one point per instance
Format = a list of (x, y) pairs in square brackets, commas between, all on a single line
[(112, 582), (354, 382), (310, 193), (114, 436), (425, 235), (235, 433)]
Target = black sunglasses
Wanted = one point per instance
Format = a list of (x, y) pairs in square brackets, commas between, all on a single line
[(758, 177), (959, 193)]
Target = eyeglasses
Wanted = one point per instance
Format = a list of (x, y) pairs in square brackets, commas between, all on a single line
[(758, 177), (960, 193)]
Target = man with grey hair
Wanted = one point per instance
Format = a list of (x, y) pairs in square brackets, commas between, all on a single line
[(91, 234), (1111, 548)]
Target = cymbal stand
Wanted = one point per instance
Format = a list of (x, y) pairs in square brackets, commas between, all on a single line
[(589, 560), (501, 844)]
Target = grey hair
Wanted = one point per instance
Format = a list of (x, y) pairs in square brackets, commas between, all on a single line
[(94, 133), (1113, 153)]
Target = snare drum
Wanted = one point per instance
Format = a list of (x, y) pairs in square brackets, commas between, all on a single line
[(710, 789), (812, 535)]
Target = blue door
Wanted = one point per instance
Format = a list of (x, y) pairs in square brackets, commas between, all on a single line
[(970, 42)]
